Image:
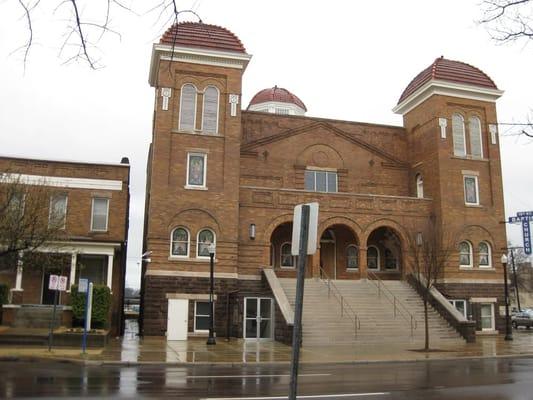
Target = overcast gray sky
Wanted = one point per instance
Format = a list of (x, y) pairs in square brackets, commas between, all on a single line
[(345, 59)]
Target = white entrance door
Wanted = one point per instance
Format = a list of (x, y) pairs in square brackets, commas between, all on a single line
[(178, 318), (258, 321)]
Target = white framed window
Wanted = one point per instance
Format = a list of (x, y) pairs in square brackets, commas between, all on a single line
[(321, 181), (196, 170), (487, 316), (372, 257), (485, 255), (201, 316), (352, 257), (180, 242), (57, 216), (391, 261), (460, 305), (99, 214), (465, 254), (16, 205), (187, 121), (205, 238), (419, 186), (458, 133), (210, 111), (471, 188), (287, 260), (476, 141)]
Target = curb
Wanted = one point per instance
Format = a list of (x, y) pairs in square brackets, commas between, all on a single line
[(240, 364)]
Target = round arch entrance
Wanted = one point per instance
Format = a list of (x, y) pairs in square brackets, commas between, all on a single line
[(384, 253), (339, 253)]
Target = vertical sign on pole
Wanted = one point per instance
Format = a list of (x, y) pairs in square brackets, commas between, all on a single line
[(524, 217), (304, 236), (526, 233), (57, 284), (83, 287)]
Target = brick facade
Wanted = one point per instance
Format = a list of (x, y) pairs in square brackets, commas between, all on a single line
[(256, 165), (81, 183)]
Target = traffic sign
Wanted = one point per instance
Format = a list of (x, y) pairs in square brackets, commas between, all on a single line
[(53, 282), (83, 285), (313, 229)]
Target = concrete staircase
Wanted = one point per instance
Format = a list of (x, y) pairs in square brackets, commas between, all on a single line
[(323, 324)]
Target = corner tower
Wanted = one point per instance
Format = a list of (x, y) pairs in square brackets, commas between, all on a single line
[(449, 112), (193, 166)]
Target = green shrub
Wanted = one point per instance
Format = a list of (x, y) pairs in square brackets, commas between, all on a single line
[(4, 292), (101, 304)]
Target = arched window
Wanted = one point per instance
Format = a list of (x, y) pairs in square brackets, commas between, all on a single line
[(476, 143), (459, 139), (187, 108), (419, 186), (210, 111), (372, 257), (180, 242), (205, 238), (352, 257), (465, 254), (391, 261), (485, 255), (287, 260)]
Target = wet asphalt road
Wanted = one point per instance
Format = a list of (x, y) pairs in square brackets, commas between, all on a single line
[(488, 379)]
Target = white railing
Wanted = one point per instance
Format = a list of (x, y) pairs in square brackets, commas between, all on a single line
[(398, 307), (346, 309)]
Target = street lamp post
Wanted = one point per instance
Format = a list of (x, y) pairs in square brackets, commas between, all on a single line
[(508, 333), (211, 339)]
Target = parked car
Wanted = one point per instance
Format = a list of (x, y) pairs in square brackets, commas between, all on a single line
[(524, 318)]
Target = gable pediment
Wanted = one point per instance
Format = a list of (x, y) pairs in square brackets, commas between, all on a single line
[(251, 147)]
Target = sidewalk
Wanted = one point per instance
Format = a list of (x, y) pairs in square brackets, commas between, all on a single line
[(132, 350)]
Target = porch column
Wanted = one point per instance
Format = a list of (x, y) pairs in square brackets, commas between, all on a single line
[(20, 265), (110, 271), (363, 261), (315, 264), (17, 292), (73, 262)]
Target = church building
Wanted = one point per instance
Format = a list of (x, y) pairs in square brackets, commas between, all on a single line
[(229, 174)]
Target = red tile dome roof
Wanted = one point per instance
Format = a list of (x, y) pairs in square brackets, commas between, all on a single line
[(277, 94), (451, 71), (198, 34)]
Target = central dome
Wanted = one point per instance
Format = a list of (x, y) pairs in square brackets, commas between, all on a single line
[(277, 100)]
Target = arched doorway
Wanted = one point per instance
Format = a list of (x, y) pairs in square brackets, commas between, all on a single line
[(339, 252), (384, 253), (281, 258)]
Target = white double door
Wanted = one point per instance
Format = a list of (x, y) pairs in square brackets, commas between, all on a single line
[(258, 321)]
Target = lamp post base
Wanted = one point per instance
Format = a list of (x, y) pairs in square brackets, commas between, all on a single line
[(508, 337), (211, 340)]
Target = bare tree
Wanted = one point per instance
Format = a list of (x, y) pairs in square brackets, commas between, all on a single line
[(26, 223), (508, 20), (86, 22), (430, 250)]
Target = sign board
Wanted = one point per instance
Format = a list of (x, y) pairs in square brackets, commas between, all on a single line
[(83, 285), (313, 229), (53, 282), (519, 220), (524, 217), (526, 233), (62, 283)]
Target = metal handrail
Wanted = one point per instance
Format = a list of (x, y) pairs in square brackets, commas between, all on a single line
[(397, 304), (345, 306)]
